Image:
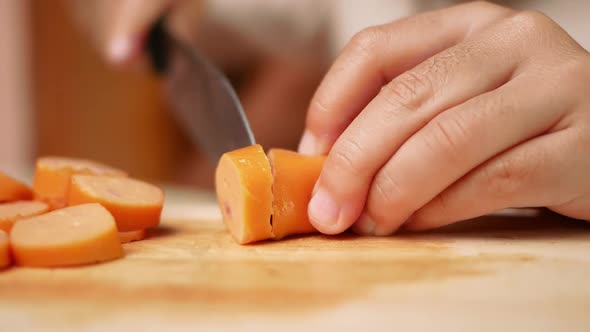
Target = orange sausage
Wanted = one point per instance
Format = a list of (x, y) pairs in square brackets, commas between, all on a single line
[(134, 204), (131, 236), (243, 180), (13, 190), (11, 212), (74, 235), (295, 176), (52, 177), (4, 251)]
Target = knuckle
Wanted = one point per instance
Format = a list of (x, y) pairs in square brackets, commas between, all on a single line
[(321, 114), (536, 30), (447, 135), (504, 178), (320, 105), (577, 70), (409, 90), (389, 202), (572, 76), (345, 158), (532, 22), (364, 42), (386, 195)]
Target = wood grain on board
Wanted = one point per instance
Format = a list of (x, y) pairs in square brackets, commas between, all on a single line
[(527, 273)]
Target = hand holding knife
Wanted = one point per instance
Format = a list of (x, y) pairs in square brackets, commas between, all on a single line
[(203, 100)]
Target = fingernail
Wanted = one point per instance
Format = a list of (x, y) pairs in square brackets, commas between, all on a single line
[(308, 144), (323, 210), (120, 50), (365, 225)]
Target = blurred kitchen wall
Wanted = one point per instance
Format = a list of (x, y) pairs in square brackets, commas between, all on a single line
[(84, 108), (57, 95)]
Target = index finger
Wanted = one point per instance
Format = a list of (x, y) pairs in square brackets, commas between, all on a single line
[(375, 56)]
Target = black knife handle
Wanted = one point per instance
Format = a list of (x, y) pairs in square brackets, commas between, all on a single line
[(157, 46)]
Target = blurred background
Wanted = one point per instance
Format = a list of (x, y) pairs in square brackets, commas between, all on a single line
[(60, 94)]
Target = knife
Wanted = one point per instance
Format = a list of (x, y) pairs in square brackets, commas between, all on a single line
[(203, 100)]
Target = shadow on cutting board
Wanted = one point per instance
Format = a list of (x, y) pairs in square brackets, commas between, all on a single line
[(540, 226)]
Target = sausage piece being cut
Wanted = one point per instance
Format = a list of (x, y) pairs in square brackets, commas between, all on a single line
[(52, 177), (264, 197), (134, 204), (294, 177), (75, 235), (243, 180)]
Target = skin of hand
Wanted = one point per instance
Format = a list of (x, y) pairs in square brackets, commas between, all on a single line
[(131, 21), (450, 115), (119, 27), (273, 81)]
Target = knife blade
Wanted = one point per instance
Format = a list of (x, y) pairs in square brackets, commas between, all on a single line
[(202, 98)]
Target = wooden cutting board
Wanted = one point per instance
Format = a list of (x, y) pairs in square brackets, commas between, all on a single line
[(491, 274)]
